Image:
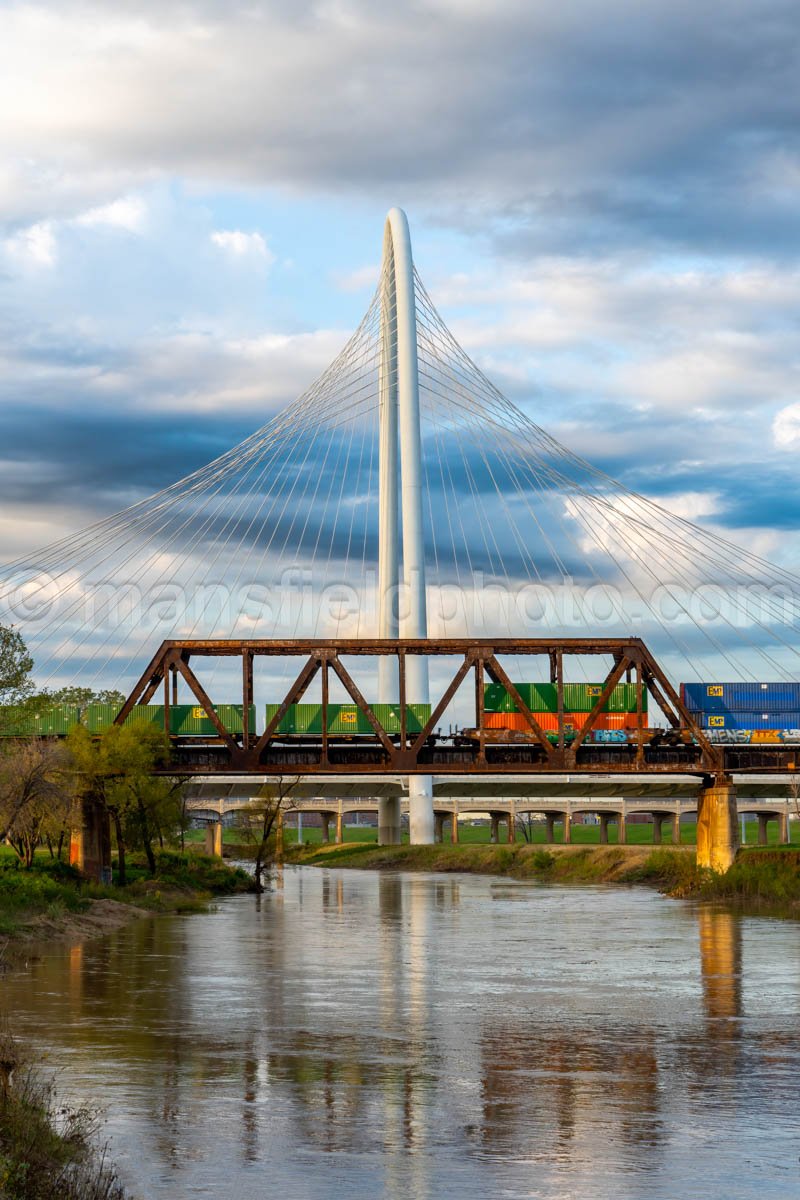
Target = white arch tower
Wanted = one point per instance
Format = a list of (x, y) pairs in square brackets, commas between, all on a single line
[(400, 497)]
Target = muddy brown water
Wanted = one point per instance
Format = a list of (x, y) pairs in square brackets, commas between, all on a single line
[(358, 1034)]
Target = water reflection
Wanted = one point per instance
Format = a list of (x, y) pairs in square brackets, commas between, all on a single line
[(426, 1035)]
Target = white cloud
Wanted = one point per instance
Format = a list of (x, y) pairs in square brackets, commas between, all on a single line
[(129, 212), (786, 427), (242, 245), (36, 244)]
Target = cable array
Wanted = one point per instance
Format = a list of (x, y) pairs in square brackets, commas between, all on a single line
[(279, 537)]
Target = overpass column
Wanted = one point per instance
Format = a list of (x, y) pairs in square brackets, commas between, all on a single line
[(438, 827), (676, 828), (783, 827), (656, 817), (622, 828), (454, 825), (214, 839), (604, 819), (567, 827), (494, 836), (326, 827), (717, 827), (763, 821), (90, 840), (512, 821), (339, 826), (550, 819)]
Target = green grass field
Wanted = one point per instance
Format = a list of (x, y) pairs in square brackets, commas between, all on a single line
[(479, 835)]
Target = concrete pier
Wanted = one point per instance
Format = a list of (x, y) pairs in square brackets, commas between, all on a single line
[(389, 823), (494, 836), (339, 827), (214, 838), (454, 828), (550, 819), (512, 822), (717, 827), (658, 828), (438, 827), (90, 840), (604, 821), (783, 828)]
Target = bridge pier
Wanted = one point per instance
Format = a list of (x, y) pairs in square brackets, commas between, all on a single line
[(676, 829), (783, 827), (622, 829), (567, 828), (763, 822), (494, 836), (339, 827), (657, 818), (512, 821), (214, 839), (389, 827), (326, 827), (90, 840), (604, 820), (454, 827), (550, 820), (438, 827), (717, 827)]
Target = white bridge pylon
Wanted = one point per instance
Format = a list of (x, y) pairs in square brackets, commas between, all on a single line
[(401, 473)]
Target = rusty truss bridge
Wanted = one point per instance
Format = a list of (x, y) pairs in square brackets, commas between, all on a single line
[(473, 749)]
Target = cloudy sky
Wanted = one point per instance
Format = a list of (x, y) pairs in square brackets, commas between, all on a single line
[(604, 206)]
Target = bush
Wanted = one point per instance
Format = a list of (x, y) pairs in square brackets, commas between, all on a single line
[(47, 1148)]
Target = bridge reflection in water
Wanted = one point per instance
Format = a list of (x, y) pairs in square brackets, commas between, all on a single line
[(364, 1034)]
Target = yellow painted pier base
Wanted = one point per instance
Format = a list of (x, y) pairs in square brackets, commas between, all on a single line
[(717, 827)]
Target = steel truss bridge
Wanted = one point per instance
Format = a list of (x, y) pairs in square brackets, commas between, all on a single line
[(681, 748)]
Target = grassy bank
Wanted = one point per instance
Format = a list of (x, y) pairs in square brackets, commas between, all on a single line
[(47, 1148), (51, 899), (759, 879)]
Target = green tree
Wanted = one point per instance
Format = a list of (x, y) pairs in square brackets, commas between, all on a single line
[(118, 770), (83, 696), (16, 665), (34, 795), (257, 824)]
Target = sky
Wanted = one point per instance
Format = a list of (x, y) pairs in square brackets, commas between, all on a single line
[(603, 199)]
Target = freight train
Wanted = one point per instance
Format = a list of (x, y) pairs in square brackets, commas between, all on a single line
[(729, 713)]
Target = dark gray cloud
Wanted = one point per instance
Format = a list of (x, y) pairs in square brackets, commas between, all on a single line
[(575, 126)]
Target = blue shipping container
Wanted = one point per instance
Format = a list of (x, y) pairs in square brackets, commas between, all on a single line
[(741, 697), (748, 720)]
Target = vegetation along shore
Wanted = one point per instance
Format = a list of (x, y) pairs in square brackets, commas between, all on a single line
[(766, 880)]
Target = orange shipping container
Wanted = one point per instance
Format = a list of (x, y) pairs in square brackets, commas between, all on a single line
[(549, 721)]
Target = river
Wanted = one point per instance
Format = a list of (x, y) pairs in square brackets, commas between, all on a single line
[(357, 1034)]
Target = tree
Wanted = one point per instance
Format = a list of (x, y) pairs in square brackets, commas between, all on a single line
[(118, 770), (258, 821), (16, 665), (83, 696), (34, 795)]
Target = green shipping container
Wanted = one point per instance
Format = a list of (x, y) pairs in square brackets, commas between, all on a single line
[(578, 697), (343, 719), (186, 720), (17, 720), (191, 720)]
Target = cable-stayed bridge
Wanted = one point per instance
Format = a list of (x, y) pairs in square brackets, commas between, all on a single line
[(404, 498)]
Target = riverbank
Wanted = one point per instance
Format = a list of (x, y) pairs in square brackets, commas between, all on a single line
[(759, 879), (50, 900)]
